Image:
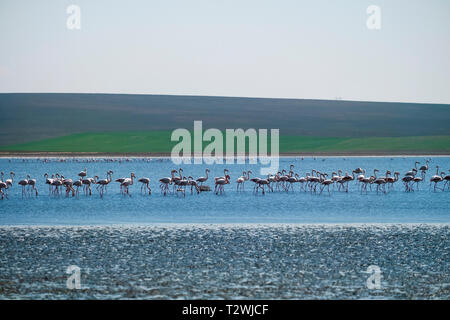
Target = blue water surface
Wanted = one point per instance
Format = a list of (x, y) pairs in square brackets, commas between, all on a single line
[(397, 206)]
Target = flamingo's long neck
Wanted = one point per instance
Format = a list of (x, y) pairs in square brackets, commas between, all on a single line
[(207, 171)]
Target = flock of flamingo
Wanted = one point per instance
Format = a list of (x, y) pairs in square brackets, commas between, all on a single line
[(314, 182)]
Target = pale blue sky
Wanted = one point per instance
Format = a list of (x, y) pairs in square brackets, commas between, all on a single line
[(255, 48)]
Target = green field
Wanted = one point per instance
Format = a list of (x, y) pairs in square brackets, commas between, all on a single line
[(159, 142), (117, 123), (27, 117)]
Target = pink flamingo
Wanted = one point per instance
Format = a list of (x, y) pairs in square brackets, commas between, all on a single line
[(436, 179), (78, 184), (9, 182), (49, 181), (193, 184), (447, 181), (145, 183), (103, 183), (326, 183), (182, 186), (201, 180), (240, 182), (380, 182), (83, 174), (24, 183), (3, 185), (164, 183), (262, 183), (127, 183), (219, 184)]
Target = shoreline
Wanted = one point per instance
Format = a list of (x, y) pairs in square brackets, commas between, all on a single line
[(32, 154)]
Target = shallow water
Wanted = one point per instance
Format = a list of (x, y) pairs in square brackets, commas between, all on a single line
[(233, 246), (423, 206)]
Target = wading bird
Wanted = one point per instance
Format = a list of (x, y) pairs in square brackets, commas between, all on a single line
[(201, 180), (240, 182), (219, 184), (145, 184), (436, 179), (24, 183), (103, 183), (127, 183)]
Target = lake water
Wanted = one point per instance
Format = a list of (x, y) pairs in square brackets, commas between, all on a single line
[(397, 206), (234, 246)]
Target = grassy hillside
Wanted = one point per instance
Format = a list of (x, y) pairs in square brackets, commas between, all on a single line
[(34, 117), (159, 141)]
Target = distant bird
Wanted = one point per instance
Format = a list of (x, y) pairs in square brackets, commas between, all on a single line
[(24, 183), (424, 168), (416, 180), (255, 181), (32, 184), (9, 182), (103, 183), (182, 185), (406, 181), (120, 180), (291, 181), (326, 183), (193, 183), (3, 186), (164, 182), (219, 184), (436, 179), (225, 172), (78, 184), (87, 185), (380, 182), (49, 181), (240, 182), (201, 180), (391, 180), (83, 174), (57, 183), (447, 181), (127, 183), (346, 179), (262, 183)]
